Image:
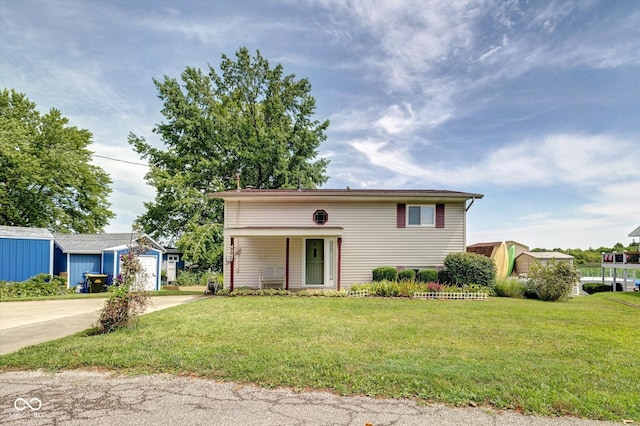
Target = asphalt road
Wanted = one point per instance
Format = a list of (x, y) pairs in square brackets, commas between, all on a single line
[(94, 398)]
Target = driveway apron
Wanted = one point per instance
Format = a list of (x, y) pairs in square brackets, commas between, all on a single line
[(24, 324)]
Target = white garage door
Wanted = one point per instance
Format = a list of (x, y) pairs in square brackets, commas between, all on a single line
[(149, 277)]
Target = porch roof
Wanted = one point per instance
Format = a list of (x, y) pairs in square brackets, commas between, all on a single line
[(284, 231)]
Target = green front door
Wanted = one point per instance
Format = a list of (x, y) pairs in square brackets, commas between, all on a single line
[(314, 262)]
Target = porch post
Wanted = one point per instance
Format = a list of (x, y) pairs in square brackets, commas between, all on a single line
[(286, 267), (231, 264), (339, 260)]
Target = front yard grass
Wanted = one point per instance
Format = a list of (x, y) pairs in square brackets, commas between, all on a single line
[(577, 358), (184, 292)]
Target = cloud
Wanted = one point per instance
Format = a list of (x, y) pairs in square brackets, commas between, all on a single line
[(575, 159), (396, 119)]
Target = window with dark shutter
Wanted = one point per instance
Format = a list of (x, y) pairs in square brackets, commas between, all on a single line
[(439, 215), (401, 219)]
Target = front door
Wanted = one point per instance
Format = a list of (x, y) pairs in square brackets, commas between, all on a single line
[(314, 262)]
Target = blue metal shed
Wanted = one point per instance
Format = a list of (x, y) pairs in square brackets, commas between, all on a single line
[(25, 252), (78, 254)]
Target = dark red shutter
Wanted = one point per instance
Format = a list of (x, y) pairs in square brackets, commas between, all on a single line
[(439, 215), (402, 216)]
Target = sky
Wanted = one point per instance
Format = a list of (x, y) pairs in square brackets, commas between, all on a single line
[(534, 104)]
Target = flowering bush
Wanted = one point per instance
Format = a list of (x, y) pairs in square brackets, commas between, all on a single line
[(434, 286), (126, 301)]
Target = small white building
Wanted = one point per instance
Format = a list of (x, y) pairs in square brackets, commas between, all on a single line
[(524, 260), (330, 239)]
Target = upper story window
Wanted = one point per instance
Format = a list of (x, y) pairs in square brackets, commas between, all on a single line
[(320, 217), (423, 215)]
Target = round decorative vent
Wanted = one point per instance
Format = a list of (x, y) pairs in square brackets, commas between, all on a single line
[(320, 217)]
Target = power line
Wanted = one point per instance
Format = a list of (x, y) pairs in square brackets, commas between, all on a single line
[(122, 161)]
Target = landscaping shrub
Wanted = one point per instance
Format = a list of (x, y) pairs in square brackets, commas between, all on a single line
[(407, 275), (592, 288), (127, 300), (39, 285), (510, 287), (382, 273), (186, 278), (246, 291), (469, 268), (552, 282), (427, 275), (443, 277)]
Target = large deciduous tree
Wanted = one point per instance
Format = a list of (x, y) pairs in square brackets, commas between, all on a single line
[(46, 180), (249, 122)]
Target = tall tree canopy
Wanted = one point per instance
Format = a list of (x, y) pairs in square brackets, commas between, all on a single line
[(46, 180), (250, 120)]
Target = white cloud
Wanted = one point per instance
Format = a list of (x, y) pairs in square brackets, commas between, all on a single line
[(574, 159), (396, 119)]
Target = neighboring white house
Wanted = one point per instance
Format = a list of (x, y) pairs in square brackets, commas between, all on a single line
[(332, 238)]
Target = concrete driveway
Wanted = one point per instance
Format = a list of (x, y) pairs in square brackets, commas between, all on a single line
[(28, 323)]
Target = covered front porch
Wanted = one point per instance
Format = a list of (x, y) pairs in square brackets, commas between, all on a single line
[(286, 257)]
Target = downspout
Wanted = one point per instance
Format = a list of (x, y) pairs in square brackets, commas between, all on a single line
[(286, 268), (339, 260), (231, 264)]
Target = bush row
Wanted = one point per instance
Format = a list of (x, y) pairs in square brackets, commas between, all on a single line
[(592, 288), (39, 285), (459, 269), (389, 273)]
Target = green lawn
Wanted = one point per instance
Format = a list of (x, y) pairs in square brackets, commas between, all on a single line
[(576, 358), (103, 295)]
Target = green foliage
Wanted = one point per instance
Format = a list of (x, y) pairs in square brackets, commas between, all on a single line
[(39, 285), (45, 171), (388, 273), (443, 277), (553, 281), (592, 256), (407, 275), (187, 278), (469, 268), (246, 291), (427, 275), (592, 288), (510, 287), (320, 293), (248, 119), (126, 300)]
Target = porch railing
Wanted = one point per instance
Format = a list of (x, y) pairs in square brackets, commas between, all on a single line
[(623, 258)]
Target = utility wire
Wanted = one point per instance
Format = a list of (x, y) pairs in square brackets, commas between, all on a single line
[(122, 161)]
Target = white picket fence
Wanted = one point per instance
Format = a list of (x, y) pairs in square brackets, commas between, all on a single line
[(443, 295), (358, 293)]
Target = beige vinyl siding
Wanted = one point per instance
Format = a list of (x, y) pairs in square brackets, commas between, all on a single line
[(370, 238)]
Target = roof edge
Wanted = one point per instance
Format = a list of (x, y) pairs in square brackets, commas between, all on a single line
[(346, 193)]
